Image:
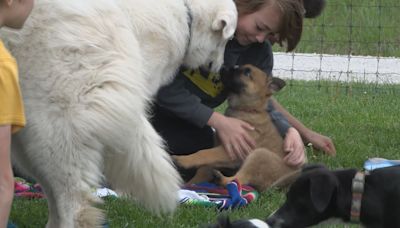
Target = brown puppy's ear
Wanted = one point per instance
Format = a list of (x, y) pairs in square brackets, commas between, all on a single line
[(313, 8), (277, 84)]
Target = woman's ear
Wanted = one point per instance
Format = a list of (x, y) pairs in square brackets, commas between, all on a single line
[(313, 8)]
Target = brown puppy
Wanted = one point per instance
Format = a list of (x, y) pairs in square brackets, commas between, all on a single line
[(249, 89)]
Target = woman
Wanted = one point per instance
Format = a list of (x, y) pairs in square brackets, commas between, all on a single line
[(183, 113)]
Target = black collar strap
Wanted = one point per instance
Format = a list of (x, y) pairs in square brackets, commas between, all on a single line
[(357, 192)]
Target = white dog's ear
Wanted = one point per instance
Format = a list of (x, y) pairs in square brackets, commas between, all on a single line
[(225, 21)]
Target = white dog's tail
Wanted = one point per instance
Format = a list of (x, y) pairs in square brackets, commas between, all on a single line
[(145, 171), (135, 161)]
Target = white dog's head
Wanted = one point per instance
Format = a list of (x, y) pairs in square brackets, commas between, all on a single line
[(213, 24)]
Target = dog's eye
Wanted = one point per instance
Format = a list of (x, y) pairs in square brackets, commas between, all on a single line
[(247, 72)]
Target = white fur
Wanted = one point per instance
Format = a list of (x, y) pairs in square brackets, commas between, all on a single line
[(259, 223), (88, 70)]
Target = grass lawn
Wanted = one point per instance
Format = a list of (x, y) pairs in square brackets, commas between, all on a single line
[(356, 27), (363, 121)]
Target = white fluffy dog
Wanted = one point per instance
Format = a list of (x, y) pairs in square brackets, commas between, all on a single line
[(88, 71)]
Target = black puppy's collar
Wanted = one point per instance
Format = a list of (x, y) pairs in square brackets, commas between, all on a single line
[(357, 192)]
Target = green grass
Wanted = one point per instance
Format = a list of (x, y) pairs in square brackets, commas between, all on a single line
[(355, 27), (362, 119)]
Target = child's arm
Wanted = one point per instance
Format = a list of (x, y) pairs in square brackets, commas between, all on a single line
[(6, 175)]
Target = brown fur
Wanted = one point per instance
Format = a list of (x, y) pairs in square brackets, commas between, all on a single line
[(264, 165)]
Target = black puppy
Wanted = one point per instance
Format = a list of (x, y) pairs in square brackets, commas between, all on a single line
[(319, 194)]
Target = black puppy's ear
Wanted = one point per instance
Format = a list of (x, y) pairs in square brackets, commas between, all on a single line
[(277, 84), (322, 188), (313, 8)]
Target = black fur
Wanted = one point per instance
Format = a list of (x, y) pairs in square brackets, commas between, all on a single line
[(230, 77), (313, 8), (319, 194)]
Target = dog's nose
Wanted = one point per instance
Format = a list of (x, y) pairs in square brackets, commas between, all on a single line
[(223, 68), (226, 71), (210, 65), (247, 72)]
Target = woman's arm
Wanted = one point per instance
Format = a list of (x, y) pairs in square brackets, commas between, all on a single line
[(318, 141), (292, 142), (181, 102)]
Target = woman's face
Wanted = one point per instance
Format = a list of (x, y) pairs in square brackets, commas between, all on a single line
[(259, 26)]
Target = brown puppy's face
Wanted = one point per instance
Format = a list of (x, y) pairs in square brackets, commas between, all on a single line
[(247, 83)]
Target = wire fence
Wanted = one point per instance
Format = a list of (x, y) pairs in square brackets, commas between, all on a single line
[(353, 41)]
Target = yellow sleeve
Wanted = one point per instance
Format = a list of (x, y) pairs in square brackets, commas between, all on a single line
[(11, 104)]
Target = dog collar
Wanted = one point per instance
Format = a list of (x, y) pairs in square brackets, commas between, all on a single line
[(357, 192)]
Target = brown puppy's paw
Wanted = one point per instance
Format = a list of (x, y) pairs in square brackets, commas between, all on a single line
[(220, 178)]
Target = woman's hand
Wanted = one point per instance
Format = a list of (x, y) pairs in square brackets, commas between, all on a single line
[(294, 147), (233, 134), (321, 142)]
